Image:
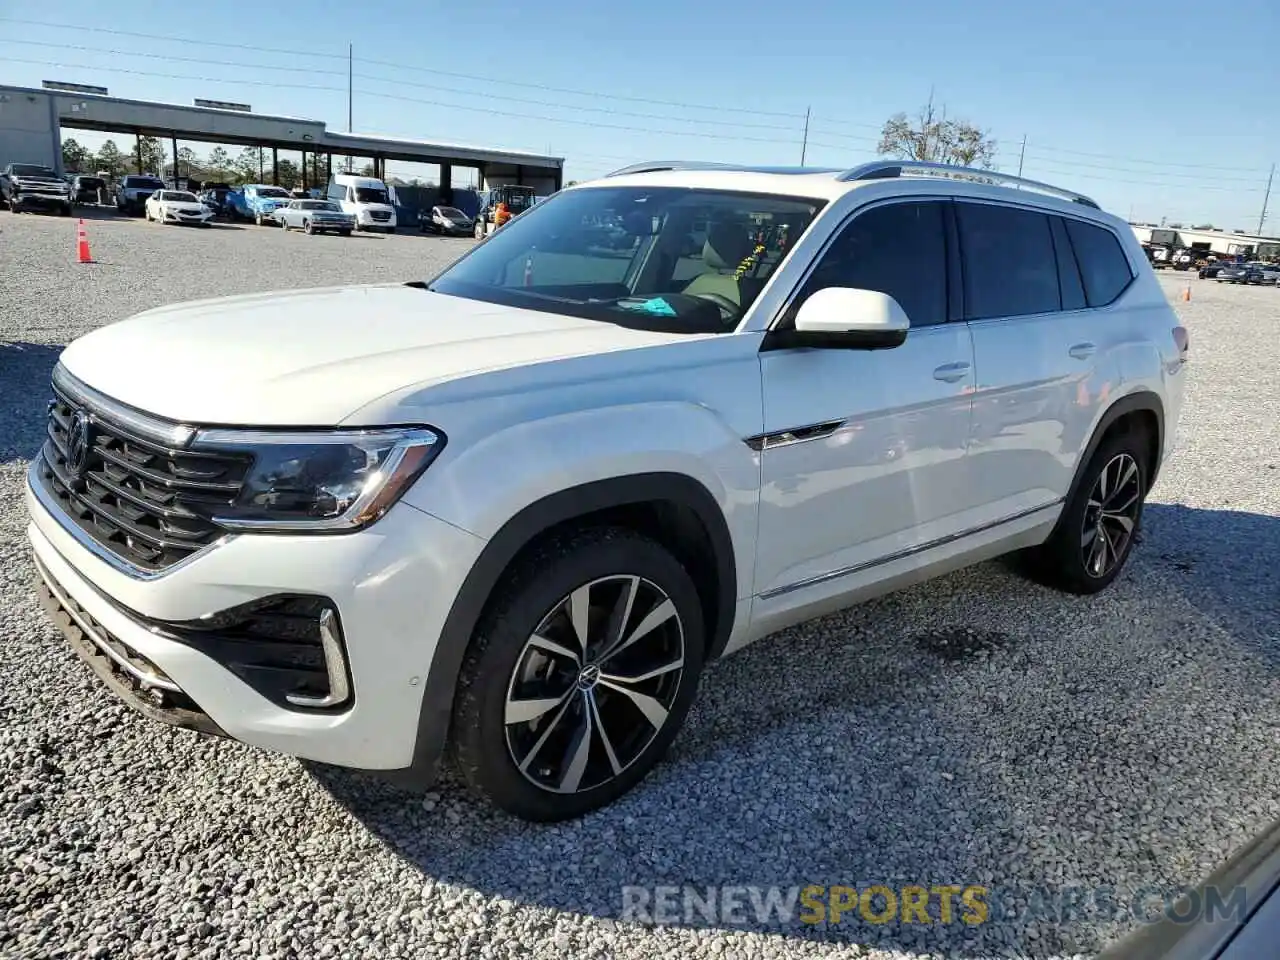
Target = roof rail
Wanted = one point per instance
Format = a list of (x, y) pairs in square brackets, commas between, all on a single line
[(886, 169), (654, 166)]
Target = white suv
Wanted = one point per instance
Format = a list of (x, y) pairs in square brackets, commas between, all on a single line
[(515, 510)]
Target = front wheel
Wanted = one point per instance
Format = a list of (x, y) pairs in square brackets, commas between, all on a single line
[(257, 218), (307, 228), (344, 233), (1096, 531), (579, 675)]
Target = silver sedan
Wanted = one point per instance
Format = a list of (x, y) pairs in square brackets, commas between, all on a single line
[(315, 216)]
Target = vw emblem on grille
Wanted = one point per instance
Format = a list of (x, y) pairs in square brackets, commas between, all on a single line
[(79, 442)]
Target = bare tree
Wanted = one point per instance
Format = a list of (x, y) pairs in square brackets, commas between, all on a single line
[(932, 136)]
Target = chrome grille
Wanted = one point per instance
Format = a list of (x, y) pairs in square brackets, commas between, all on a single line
[(146, 502)]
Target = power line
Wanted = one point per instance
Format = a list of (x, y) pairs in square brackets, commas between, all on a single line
[(406, 83), (1157, 173), (1161, 162), (434, 103), (404, 66)]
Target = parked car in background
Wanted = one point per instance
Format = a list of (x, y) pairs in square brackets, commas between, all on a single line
[(448, 221), (1211, 269), (177, 206), (365, 198), (316, 216), (215, 198), (258, 202), (133, 191), (1239, 273), (1270, 272), (29, 186), (88, 189)]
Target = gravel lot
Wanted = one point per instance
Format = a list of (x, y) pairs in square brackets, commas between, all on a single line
[(975, 730)]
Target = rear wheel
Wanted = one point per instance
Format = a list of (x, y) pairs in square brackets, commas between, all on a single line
[(1095, 534), (345, 233), (578, 676)]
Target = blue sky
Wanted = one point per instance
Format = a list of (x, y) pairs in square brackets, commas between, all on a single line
[(1157, 109)]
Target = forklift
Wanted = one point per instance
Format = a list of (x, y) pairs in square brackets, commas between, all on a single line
[(499, 205)]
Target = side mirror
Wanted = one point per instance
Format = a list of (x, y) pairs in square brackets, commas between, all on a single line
[(841, 317)]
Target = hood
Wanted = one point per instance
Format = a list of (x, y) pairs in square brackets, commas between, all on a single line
[(315, 357)]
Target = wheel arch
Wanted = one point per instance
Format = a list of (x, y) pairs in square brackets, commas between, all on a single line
[(674, 502), (1142, 409)]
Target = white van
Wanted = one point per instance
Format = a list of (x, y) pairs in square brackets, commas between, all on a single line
[(366, 198)]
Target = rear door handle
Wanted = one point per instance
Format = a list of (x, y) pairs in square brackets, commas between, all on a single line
[(1083, 351), (951, 372)]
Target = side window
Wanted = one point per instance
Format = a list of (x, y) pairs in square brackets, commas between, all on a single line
[(1103, 265), (898, 249), (1068, 271), (1010, 268)]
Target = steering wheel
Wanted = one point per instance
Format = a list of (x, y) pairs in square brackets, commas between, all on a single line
[(728, 309)]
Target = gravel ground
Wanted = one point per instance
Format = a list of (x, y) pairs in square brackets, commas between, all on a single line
[(974, 730)]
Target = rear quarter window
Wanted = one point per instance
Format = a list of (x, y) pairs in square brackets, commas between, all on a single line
[(1103, 266)]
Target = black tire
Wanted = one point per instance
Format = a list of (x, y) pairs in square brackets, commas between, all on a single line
[(1068, 560), (345, 233), (536, 597), (66, 210), (391, 229), (307, 228)]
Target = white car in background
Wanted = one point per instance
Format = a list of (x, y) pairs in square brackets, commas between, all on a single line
[(177, 206)]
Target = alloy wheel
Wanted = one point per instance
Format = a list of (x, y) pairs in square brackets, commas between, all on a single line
[(594, 684), (1110, 515)]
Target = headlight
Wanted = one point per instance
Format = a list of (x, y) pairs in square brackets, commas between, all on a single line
[(331, 482)]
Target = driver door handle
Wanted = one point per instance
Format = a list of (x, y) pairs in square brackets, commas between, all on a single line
[(1082, 351), (951, 372)]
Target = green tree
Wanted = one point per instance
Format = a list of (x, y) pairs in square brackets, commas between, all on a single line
[(932, 136), (219, 164), (319, 175), (152, 155), (75, 158), (111, 160), (289, 175), (189, 163), (250, 166)]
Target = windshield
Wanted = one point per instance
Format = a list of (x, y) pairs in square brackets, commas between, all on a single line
[(272, 192), (318, 205), (33, 170), (180, 196), (451, 213), (662, 258), (143, 182), (371, 195)]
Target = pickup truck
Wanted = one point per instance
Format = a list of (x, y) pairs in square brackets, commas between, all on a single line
[(134, 190), (257, 202), (27, 185)]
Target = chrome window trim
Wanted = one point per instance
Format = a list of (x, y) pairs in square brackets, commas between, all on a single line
[(146, 426), (117, 563), (903, 554)]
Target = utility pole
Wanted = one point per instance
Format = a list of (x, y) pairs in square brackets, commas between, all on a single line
[(350, 74), (804, 144), (1265, 198), (1022, 154)]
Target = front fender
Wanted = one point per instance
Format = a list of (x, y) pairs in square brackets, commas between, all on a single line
[(481, 486)]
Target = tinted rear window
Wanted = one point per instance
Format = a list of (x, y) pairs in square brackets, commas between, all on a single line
[(1103, 265), (1010, 267)]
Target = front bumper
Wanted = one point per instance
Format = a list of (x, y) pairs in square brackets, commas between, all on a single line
[(24, 199), (178, 216), (392, 584)]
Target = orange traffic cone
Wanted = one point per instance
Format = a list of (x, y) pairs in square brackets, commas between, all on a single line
[(1186, 294), (82, 245)]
